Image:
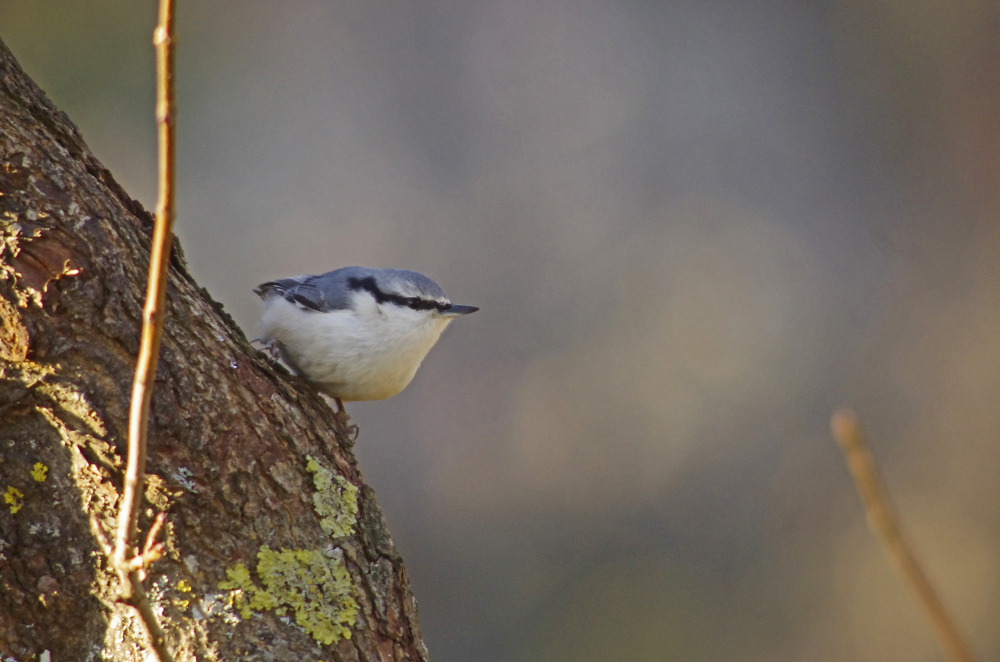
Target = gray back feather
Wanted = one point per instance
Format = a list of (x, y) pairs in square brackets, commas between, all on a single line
[(333, 290)]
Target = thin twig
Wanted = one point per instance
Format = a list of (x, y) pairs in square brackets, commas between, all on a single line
[(153, 313), (128, 564), (154, 532), (885, 526)]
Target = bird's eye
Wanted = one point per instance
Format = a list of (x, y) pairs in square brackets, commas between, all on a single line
[(413, 302)]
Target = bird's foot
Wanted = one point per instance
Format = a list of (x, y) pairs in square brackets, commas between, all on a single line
[(271, 349), (342, 417)]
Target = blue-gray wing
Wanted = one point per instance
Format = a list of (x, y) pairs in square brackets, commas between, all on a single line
[(320, 293)]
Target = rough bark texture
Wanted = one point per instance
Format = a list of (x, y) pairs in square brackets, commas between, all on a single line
[(243, 457)]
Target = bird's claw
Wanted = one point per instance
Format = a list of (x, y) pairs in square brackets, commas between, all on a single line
[(341, 416), (270, 349)]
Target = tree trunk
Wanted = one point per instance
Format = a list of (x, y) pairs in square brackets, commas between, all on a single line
[(276, 548)]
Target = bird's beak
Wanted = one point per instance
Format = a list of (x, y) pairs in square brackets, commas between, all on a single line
[(456, 310)]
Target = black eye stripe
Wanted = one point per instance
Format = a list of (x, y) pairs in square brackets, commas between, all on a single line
[(416, 303)]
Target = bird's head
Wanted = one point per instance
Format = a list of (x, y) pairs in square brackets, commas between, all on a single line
[(402, 293)]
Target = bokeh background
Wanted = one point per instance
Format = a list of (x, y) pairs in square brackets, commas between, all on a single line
[(694, 227)]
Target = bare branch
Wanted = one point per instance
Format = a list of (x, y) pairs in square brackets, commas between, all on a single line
[(141, 603), (883, 523), (153, 314), (130, 566)]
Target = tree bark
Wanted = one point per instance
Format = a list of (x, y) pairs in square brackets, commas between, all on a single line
[(277, 550)]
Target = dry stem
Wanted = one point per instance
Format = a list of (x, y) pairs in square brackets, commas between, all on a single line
[(884, 525), (126, 561)]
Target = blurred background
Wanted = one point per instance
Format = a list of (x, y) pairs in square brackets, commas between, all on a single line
[(695, 228)]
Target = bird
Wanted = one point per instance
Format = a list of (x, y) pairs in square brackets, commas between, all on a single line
[(355, 333)]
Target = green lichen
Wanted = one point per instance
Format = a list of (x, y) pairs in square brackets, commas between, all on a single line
[(316, 587), (335, 500), (184, 586), (240, 586), (14, 498), (39, 471)]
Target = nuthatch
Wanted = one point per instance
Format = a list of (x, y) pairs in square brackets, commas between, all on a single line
[(356, 333)]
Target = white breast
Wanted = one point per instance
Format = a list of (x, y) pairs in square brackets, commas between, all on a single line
[(370, 353)]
